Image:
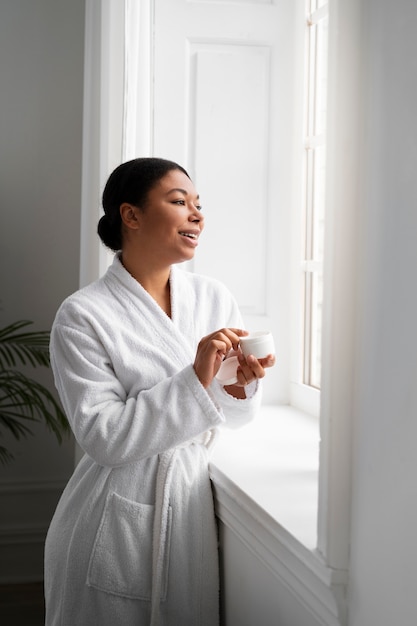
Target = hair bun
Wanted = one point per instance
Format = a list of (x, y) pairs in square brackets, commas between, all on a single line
[(109, 235)]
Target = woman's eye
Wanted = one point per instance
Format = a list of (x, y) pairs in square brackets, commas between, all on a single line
[(181, 202)]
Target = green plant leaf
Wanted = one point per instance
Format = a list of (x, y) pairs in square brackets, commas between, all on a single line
[(24, 400), (27, 348), (5, 456)]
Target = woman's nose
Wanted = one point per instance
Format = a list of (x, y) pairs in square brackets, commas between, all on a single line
[(196, 215)]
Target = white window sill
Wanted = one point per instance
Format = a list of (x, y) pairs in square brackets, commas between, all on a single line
[(265, 478), (274, 460)]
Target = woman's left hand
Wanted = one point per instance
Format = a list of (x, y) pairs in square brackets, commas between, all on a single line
[(250, 369)]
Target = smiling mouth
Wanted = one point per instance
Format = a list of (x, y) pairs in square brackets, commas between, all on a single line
[(189, 235)]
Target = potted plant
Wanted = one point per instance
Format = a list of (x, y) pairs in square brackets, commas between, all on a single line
[(22, 399)]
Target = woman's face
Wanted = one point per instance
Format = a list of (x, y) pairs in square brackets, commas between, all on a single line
[(171, 222)]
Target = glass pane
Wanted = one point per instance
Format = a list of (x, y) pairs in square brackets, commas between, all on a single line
[(319, 190), (316, 329), (320, 105), (308, 204)]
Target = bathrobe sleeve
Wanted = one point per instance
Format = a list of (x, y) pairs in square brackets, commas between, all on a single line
[(237, 412), (115, 428)]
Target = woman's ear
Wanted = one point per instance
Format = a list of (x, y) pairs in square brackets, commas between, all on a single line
[(130, 215)]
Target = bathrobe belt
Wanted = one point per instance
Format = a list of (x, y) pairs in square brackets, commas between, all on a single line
[(163, 486)]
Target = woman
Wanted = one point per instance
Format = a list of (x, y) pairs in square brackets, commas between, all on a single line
[(135, 355)]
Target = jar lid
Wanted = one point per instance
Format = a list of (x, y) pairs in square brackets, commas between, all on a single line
[(227, 371), (256, 337)]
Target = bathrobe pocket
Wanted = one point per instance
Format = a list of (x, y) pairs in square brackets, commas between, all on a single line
[(121, 560)]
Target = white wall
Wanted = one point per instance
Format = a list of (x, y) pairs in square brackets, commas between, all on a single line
[(252, 594), (41, 73), (383, 576)]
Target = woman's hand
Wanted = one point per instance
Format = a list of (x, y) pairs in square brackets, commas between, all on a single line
[(249, 369), (211, 351), (214, 347), (252, 368)]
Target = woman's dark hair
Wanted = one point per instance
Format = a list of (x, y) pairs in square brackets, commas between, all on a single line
[(130, 182)]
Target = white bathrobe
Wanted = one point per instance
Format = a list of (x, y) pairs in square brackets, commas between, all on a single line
[(133, 540)]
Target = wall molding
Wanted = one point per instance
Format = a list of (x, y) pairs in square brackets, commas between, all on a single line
[(22, 542), (22, 534), (31, 486)]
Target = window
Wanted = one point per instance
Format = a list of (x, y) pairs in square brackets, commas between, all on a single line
[(308, 227)]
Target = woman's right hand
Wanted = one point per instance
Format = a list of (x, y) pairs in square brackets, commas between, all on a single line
[(211, 351)]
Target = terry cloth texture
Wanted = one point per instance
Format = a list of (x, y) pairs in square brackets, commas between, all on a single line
[(133, 540)]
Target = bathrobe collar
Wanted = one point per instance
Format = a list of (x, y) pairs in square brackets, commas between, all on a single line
[(180, 325)]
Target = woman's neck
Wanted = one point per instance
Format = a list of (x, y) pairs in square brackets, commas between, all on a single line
[(155, 280)]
